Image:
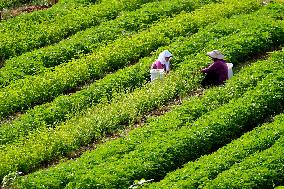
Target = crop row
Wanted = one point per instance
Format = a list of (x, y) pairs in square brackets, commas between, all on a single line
[(6, 4), (154, 156), (201, 172), (124, 80), (38, 89), (87, 41), (61, 8), (260, 170), (17, 39), (46, 144)]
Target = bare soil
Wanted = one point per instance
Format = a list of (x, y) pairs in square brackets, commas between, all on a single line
[(13, 12)]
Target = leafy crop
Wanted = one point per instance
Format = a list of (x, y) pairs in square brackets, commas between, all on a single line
[(34, 90), (260, 170), (125, 80), (186, 135), (152, 158), (198, 173), (126, 110), (21, 37), (89, 40)]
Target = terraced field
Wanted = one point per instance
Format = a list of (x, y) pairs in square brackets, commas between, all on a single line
[(78, 110)]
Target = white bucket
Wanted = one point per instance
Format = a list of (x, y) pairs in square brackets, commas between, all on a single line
[(230, 70), (157, 74)]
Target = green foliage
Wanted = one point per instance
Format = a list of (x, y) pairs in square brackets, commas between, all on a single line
[(198, 127), (22, 35), (153, 158), (125, 80), (6, 4), (152, 155), (159, 154), (33, 90), (200, 172), (87, 41), (260, 170)]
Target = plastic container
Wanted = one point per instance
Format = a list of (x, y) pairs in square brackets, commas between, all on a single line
[(157, 74), (230, 70)]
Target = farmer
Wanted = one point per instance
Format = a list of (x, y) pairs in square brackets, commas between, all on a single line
[(163, 61), (217, 72), (161, 65)]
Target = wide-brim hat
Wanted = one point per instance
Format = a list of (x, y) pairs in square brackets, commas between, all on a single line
[(216, 54)]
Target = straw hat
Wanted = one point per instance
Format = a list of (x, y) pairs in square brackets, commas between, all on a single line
[(215, 54)]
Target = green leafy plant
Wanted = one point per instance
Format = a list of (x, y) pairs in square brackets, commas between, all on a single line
[(260, 170), (135, 107), (19, 35), (152, 157), (125, 80), (201, 172), (34, 90), (87, 41)]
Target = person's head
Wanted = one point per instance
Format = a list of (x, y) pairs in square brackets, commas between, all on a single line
[(165, 56), (168, 58), (215, 54)]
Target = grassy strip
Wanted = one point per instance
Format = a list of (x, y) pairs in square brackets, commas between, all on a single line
[(5, 4), (15, 40), (40, 16), (8, 4), (196, 174), (16, 5), (260, 170), (125, 80), (59, 9), (87, 41), (188, 112), (38, 89), (157, 155), (79, 132)]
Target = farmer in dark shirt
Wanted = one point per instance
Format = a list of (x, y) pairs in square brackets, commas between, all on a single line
[(217, 72)]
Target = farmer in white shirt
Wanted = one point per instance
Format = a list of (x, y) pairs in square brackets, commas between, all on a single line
[(163, 61), (161, 65)]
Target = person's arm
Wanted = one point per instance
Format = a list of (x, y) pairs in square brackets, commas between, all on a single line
[(167, 67), (209, 68)]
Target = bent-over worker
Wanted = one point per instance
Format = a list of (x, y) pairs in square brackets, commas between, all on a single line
[(217, 72), (161, 65), (163, 61)]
